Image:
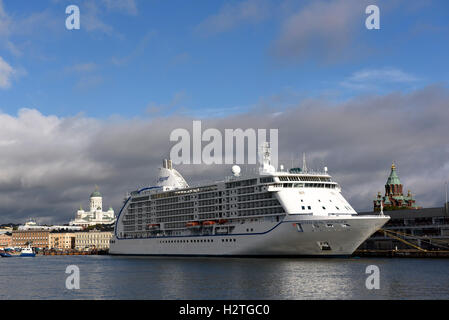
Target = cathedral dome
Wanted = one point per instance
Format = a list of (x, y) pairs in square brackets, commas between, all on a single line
[(393, 178), (96, 194)]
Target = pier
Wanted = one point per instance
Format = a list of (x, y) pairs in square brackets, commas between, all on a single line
[(404, 253), (72, 253)]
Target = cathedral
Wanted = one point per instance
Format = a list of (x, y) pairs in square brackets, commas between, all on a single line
[(95, 215), (394, 198)]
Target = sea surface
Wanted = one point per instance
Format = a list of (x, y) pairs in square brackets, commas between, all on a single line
[(119, 277)]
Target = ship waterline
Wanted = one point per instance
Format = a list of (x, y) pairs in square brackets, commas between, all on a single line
[(273, 213)]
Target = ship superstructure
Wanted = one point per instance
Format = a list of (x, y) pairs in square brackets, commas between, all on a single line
[(295, 212)]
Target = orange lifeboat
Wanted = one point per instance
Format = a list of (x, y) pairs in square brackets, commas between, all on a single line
[(208, 223), (222, 221), (192, 224)]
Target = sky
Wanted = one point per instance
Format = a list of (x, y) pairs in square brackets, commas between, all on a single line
[(96, 106)]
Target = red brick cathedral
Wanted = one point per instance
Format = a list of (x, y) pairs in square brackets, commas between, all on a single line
[(394, 199)]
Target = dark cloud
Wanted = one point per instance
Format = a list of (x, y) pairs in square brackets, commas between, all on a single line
[(326, 31), (50, 165)]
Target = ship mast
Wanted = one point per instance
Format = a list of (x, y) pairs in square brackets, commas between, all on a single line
[(265, 154), (304, 164)]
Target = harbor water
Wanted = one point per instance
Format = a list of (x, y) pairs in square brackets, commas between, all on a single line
[(119, 277)]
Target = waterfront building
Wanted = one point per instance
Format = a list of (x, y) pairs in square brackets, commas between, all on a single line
[(92, 240), (95, 215), (427, 228), (32, 225), (62, 240), (37, 238), (394, 198), (5, 240)]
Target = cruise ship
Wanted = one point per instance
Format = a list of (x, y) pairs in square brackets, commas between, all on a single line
[(273, 212)]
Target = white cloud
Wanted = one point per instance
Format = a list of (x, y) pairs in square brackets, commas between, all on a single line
[(91, 20), (386, 74), (82, 67), (164, 109), (128, 6), (32, 25), (375, 78), (4, 20), (136, 52), (232, 16), (6, 74), (89, 82)]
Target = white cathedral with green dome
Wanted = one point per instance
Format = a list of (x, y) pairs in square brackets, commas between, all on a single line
[(96, 215)]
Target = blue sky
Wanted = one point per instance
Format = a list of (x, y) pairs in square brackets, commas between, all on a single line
[(209, 58)]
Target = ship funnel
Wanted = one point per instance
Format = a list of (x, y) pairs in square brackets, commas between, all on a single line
[(167, 164), (169, 178)]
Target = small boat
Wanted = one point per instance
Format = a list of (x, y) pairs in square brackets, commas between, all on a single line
[(25, 252), (193, 224), (209, 223), (222, 221), (154, 226)]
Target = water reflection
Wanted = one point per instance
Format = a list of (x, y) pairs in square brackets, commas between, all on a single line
[(105, 277)]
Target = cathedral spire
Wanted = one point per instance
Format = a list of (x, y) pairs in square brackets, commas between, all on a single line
[(393, 178), (394, 197)]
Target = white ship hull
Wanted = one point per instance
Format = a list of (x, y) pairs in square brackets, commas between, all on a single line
[(296, 235)]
